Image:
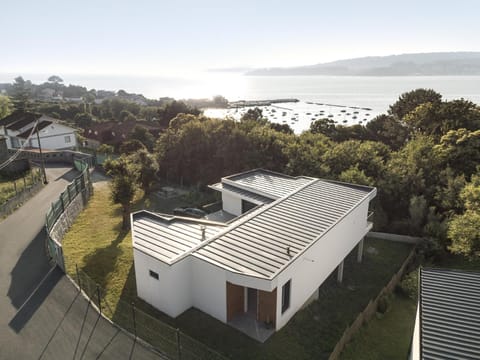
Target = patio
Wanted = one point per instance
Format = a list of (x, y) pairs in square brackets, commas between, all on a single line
[(247, 324)]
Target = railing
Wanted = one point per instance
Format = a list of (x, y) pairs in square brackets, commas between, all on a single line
[(80, 185), (164, 338)]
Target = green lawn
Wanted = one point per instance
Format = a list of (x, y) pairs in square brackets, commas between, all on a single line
[(102, 251), (7, 186), (387, 337)]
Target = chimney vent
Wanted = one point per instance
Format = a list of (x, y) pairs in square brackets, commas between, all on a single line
[(202, 228)]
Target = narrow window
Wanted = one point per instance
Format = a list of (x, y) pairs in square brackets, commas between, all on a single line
[(154, 275), (67, 139), (286, 296)]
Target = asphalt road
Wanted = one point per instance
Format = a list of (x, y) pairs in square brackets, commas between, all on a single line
[(42, 315)]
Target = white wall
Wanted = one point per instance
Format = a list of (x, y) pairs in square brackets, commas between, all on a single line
[(415, 351), (311, 268), (53, 137), (172, 292), (231, 204), (209, 288)]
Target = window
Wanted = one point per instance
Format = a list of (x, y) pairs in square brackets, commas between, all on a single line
[(67, 139), (286, 296), (154, 275)]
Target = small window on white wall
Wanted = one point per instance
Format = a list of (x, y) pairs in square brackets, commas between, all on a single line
[(286, 296), (154, 275), (67, 139)]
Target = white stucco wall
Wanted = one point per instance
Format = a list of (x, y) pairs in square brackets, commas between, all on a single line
[(311, 269), (53, 137), (209, 288), (415, 351), (232, 204), (172, 292)]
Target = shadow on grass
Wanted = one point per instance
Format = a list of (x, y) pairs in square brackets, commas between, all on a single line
[(102, 262)]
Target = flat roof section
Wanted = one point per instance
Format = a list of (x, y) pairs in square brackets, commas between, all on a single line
[(256, 245), (449, 314), (167, 237), (244, 194), (268, 183)]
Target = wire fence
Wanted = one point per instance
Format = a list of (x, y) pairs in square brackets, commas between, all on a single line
[(167, 340), (14, 187)]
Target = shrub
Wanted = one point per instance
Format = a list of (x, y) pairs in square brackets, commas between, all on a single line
[(409, 285)]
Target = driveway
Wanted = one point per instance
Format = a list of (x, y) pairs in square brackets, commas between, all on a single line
[(42, 315)]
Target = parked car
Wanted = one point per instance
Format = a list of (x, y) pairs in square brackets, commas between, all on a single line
[(190, 212)]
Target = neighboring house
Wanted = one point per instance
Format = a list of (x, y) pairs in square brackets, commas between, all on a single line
[(287, 235), (18, 126), (447, 324)]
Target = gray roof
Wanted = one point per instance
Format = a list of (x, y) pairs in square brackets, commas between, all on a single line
[(449, 314), (267, 183), (257, 244), (244, 194), (167, 237)]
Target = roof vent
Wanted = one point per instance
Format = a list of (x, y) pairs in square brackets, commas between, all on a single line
[(202, 228), (288, 251)]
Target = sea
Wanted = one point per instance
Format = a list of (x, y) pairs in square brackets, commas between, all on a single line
[(344, 99)]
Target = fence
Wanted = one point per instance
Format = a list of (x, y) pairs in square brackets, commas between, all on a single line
[(167, 340), (15, 192), (370, 309), (59, 210)]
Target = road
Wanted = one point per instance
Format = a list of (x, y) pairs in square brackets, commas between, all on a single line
[(42, 315)]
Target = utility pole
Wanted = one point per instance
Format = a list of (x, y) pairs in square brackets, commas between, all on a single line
[(42, 161)]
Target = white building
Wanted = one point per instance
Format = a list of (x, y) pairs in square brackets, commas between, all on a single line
[(18, 126), (447, 324), (256, 271)]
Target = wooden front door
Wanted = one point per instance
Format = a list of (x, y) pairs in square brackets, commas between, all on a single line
[(235, 300)]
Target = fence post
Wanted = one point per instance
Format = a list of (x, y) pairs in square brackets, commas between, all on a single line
[(78, 278), (99, 299), (179, 351), (61, 201), (134, 319)]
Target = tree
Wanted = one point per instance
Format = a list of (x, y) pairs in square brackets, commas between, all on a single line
[(55, 79), (464, 232), (123, 185), (417, 211), (144, 136), (409, 101), (324, 126), (388, 130), (5, 106), (146, 167), (131, 146), (83, 120), (21, 94)]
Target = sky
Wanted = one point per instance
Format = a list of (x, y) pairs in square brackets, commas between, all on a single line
[(179, 37)]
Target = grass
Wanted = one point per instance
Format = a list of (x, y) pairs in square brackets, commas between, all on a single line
[(99, 247), (7, 184), (387, 337)]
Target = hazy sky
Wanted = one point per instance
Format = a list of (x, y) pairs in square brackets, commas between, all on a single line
[(172, 37)]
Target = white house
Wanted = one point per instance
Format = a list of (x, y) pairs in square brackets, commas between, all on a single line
[(256, 271), (18, 126), (447, 324)]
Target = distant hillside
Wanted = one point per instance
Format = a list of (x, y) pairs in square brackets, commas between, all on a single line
[(441, 63)]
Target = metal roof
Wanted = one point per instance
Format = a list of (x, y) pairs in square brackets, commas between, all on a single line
[(41, 125), (18, 119), (167, 237), (267, 183), (244, 194), (449, 314), (257, 244)]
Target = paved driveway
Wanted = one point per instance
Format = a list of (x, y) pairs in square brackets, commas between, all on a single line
[(42, 315)]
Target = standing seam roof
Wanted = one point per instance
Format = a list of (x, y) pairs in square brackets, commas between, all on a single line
[(297, 220), (449, 314)]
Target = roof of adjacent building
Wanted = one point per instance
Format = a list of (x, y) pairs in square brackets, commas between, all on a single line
[(265, 240), (268, 183), (19, 119), (167, 237), (41, 125), (449, 314)]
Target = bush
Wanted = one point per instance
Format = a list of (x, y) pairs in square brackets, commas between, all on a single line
[(384, 303), (409, 285)]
